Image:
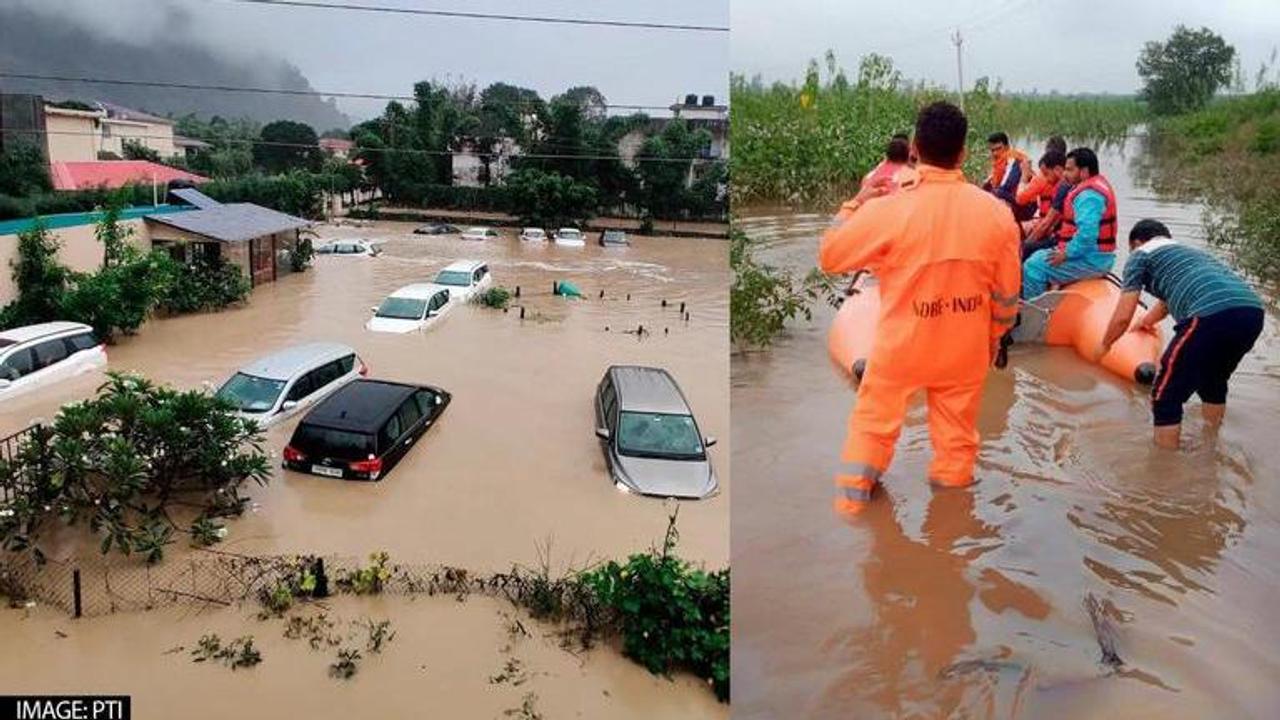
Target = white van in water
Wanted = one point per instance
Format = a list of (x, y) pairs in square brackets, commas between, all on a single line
[(465, 279), (44, 355), (571, 237), (278, 385), (412, 307)]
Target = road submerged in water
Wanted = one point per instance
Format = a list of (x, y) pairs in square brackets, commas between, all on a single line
[(976, 602)]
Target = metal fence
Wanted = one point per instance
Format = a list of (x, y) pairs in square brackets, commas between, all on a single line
[(11, 448)]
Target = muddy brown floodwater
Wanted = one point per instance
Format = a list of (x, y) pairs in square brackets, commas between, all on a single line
[(970, 603), (514, 463)]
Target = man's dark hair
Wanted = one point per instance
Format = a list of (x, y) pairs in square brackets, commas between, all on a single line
[(1053, 159), (904, 137), (997, 137), (1145, 229), (940, 132), (1084, 158), (898, 151), (1056, 143)]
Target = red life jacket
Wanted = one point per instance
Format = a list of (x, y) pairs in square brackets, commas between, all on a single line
[(1106, 228), (1044, 200)]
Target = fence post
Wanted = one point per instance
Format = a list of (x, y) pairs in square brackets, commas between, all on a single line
[(75, 589)]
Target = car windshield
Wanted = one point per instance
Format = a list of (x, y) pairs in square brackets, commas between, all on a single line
[(327, 442), (250, 393), (454, 277), (659, 435), (402, 308), (570, 234), (613, 235)]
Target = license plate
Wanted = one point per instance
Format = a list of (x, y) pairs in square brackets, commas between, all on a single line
[(326, 471)]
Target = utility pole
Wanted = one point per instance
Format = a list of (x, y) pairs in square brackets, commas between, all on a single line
[(959, 41)]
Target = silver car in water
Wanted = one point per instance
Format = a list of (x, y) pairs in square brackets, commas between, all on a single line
[(286, 382), (651, 441)]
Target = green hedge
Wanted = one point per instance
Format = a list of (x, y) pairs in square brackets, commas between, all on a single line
[(54, 203)]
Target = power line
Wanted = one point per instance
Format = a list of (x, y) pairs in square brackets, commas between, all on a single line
[(309, 4), (317, 146), (265, 91)]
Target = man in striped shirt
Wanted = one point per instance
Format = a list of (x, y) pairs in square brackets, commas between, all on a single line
[(1218, 317)]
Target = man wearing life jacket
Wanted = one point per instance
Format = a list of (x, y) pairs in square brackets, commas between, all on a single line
[(1219, 318), (946, 257), (1007, 167), (896, 157), (1047, 185), (1087, 236)]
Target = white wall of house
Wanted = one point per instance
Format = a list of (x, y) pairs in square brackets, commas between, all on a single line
[(157, 136), (71, 135)]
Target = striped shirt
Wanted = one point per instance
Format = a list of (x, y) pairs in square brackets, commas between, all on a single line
[(1190, 281)]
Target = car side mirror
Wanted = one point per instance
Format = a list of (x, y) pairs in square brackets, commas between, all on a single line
[(289, 405), (602, 433), (708, 441), (373, 309)]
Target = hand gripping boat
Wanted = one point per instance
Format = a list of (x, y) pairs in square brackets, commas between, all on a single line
[(1074, 316)]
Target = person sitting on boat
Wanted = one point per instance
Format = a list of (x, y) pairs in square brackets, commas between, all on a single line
[(897, 156), (1053, 144), (1087, 236), (946, 257), (1006, 174), (1047, 190), (1218, 319)]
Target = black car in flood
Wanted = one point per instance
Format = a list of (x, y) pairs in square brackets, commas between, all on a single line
[(362, 430)]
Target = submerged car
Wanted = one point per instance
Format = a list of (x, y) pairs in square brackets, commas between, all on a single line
[(412, 307), (349, 248), (283, 383), (570, 237), (364, 429), (46, 354), (465, 279), (651, 441), (436, 229), (533, 235), (614, 238), (480, 233)]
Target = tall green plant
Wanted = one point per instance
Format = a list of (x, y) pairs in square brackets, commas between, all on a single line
[(41, 280)]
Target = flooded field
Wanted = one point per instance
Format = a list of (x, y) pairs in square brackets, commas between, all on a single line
[(970, 603), (512, 465)]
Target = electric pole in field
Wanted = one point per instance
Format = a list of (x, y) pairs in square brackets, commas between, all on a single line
[(959, 41)]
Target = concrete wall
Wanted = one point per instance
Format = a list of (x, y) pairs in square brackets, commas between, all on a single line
[(79, 250), (157, 136), (71, 138)]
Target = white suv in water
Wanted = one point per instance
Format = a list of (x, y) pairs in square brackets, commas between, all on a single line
[(465, 279), (278, 385), (43, 355)]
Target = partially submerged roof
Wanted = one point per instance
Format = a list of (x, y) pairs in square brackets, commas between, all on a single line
[(33, 332), (114, 174), (648, 389), (418, 291), (362, 405), (288, 362), (235, 222), (194, 197)]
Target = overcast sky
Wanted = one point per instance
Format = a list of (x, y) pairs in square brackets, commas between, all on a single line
[(1071, 46), (386, 53)]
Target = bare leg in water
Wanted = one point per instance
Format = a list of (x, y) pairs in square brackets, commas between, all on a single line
[(1213, 413), (1168, 436)]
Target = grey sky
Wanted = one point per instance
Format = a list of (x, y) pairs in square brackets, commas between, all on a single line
[(1073, 46), (384, 53)]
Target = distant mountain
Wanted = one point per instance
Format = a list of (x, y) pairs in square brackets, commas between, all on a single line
[(44, 44)]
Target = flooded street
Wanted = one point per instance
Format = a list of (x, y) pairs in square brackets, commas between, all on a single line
[(513, 465), (514, 461), (971, 603)]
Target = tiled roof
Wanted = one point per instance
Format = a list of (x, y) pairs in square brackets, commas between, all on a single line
[(114, 174)]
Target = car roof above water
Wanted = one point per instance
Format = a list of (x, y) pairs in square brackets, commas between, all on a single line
[(34, 332), (290, 361), (648, 389), (462, 266), (360, 406), (418, 291)]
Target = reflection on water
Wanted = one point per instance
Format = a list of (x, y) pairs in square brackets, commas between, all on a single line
[(514, 462), (970, 603)]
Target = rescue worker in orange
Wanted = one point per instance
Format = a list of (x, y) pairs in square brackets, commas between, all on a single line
[(1087, 236), (946, 256)]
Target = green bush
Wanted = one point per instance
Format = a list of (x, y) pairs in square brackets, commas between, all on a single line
[(549, 199), (495, 297), (672, 615), (762, 298), (201, 285), (122, 462)]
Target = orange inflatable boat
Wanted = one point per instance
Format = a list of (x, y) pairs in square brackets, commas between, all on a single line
[(1074, 316)]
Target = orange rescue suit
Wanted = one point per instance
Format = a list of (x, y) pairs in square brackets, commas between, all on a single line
[(946, 254)]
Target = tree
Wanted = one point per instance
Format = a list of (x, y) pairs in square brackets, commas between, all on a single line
[(665, 163), (135, 150), (41, 280), (589, 100), (23, 170), (549, 199), (287, 145), (1183, 73)]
